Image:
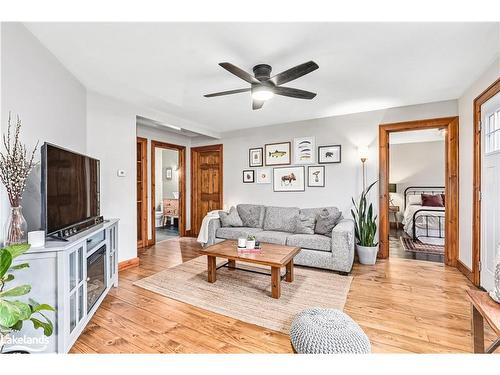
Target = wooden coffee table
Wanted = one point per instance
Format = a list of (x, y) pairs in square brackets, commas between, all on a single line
[(275, 256)]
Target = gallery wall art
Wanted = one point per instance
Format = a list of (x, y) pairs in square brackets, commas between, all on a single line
[(278, 153), (329, 154), (248, 176), (304, 150), (255, 157), (264, 175), (289, 179), (316, 176)]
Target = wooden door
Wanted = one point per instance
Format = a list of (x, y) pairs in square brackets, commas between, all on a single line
[(206, 182), (142, 209)]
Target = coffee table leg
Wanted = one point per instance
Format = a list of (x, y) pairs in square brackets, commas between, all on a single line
[(289, 271), (275, 282), (477, 331), (231, 264), (212, 269)]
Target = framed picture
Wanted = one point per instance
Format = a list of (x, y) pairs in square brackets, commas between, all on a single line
[(316, 176), (168, 173), (289, 179), (278, 153), (255, 157), (264, 175), (248, 176), (304, 150), (329, 154)]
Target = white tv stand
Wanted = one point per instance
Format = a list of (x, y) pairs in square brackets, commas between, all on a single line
[(58, 276)]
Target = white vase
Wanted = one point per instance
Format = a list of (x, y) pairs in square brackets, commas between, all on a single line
[(367, 254), (250, 244)]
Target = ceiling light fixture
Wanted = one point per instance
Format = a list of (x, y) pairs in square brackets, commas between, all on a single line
[(173, 127), (262, 93)]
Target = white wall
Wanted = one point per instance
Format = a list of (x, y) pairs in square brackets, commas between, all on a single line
[(50, 101), (342, 180), (465, 106), (416, 164), (151, 133)]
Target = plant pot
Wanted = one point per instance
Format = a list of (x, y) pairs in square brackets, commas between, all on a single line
[(367, 254), (250, 244)]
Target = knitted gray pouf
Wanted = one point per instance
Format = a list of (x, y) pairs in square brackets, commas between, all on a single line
[(327, 331)]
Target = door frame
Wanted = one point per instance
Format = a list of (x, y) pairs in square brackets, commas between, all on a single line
[(144, 186), (450, 124), (182, 185), (194, 178), (486, 95)]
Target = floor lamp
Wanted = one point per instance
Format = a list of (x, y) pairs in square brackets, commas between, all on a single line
[(363, 155)]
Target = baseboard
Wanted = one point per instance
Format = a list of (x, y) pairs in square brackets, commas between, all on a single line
[(465, 270), (129, 263)]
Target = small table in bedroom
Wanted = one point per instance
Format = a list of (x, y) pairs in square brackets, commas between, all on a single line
[(275, 256), (394, 210), (484, 308)]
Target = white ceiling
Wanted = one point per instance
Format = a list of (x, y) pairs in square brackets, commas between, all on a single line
[(363, 66)]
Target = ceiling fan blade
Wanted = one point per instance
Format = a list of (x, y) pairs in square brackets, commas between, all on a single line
[(294, 73), (294, 93), (226, 92), (257, 104), (239, 72)]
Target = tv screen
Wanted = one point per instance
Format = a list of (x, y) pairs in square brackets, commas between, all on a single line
[(70, 188)]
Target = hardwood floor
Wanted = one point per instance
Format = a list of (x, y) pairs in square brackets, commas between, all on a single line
[(405, 306)]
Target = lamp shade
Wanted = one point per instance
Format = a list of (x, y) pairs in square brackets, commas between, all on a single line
[(392, 188), (363, 152)]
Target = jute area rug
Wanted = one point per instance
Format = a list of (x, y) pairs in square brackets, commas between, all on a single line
[(246, 296)]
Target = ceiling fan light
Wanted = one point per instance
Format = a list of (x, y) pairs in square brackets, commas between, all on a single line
[(262, 93)]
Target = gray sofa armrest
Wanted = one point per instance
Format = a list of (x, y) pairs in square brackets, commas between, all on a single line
[(343, 245), (213, 225)]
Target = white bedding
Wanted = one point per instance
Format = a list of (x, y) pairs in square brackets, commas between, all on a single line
[(420, 226)]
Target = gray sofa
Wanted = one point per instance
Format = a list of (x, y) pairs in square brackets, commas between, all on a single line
[(278, 224)]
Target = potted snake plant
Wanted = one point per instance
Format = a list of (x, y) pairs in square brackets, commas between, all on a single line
[(365, 228), (13, 312)]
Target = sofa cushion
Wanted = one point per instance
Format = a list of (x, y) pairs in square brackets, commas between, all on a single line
[(251, 215), (326, 221), (282, 219), (305, 224), (310, 241), (233, 233), (272, 237), (231, 218)]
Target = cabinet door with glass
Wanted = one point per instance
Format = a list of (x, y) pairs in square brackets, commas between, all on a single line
[(113, 254), (74, 271)]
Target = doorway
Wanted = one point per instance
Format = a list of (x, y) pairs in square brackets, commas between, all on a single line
[(449, 126), (168, 191), (142, 183), (486, 202), (206, 183)]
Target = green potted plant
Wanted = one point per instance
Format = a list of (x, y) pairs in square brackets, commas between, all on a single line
[(13, 312), (365, 228)]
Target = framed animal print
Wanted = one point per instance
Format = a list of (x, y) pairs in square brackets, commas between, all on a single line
[(278, 153), (329, 154), (316, 176), (304, 150), (289, 179), (248, 176), (263, 175), (255, 157)]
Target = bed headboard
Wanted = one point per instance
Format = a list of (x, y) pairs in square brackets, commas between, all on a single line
[(414, 190)]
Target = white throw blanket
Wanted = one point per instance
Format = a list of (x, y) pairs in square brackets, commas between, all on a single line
[(203, 236)]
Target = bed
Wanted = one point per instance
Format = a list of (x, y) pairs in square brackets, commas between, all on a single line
[(423, 223)]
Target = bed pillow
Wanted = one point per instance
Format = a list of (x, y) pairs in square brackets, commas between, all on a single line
[(231, 218), (429, 200), (415, 200)]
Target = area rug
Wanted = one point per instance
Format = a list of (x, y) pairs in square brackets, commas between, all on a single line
[(246, 296), (417, 246)]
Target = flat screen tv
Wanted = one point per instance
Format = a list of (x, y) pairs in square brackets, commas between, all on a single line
[(70, 191)]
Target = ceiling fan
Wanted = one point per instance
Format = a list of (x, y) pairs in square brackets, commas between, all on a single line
[(264, 87)]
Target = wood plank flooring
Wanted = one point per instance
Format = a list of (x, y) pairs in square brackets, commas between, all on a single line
[(405, 306)]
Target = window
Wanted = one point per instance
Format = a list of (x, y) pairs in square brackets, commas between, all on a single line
[(492, 132)]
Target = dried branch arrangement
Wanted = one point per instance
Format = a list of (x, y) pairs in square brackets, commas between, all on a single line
[(15, 164)]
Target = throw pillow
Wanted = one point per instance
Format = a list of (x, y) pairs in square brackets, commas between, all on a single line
[(415, 200), (305, 224), (430, 200), (231, 218), (252, 215), (326, 221)]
